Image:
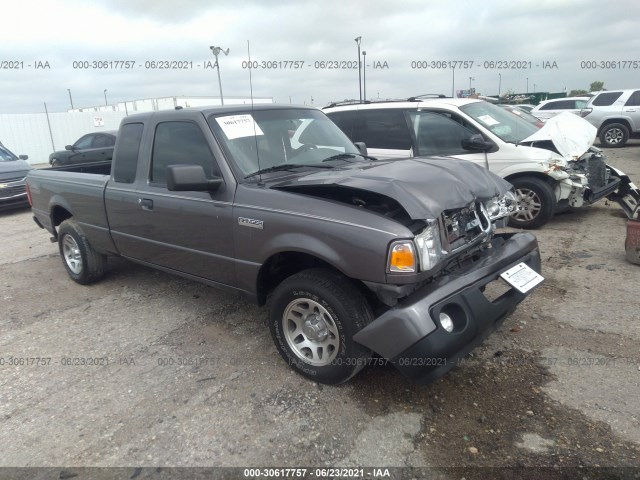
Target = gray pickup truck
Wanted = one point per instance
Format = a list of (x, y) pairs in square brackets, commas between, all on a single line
[(355, 257)]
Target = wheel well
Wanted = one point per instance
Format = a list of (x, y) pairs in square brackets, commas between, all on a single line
[(538, 175), (615, 120), (59, 214), (284, 264)]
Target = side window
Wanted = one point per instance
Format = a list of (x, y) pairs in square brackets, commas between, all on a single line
[(101, 141), (438, 134), (580, 104), (126, 155), (84, 142), (180, 143), (634, 99), (560, 105), (606, 99), (382, 129), (345, 121)]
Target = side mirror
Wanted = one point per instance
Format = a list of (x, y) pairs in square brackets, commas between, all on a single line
[(23, 157), (476, 142), (68, 147), (362, 148), (191, 178)]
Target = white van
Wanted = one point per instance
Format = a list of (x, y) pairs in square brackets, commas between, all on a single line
[(551, 168)]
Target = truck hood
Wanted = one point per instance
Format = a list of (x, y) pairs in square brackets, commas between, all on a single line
[(425, 187), (570, 134)]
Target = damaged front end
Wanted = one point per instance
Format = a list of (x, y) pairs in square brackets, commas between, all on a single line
[(591, 179), (581, 173)]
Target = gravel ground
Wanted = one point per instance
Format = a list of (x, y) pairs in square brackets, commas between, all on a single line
[(188, 376)]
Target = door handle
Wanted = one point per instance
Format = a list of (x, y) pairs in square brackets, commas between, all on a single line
[(146, 203)]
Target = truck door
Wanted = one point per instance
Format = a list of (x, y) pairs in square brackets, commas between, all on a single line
[(190, 232)]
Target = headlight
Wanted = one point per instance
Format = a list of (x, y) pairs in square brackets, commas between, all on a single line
[(501, 207), (429, 246), (402, 257)]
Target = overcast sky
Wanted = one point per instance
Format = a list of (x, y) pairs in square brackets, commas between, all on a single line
[(533, 34)]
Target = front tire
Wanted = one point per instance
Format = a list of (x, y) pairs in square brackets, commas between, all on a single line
[(536, 202), (83, 264), (313, 317), (614, 135)]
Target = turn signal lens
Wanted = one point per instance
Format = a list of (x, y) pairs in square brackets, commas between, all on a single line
[(402, 257)]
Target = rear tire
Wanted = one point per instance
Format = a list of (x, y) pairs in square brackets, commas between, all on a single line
[(614, 135), (83, 264), (536, 200), (313, 316)]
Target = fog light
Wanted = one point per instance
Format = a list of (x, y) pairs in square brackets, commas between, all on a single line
[(446, 322)]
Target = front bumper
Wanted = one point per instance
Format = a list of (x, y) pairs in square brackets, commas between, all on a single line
[(411, 338)]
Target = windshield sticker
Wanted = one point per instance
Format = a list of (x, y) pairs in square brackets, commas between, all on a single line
[(238, 126), (488, 120)]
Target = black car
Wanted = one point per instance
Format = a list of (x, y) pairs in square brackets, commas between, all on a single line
[(92, 147), (13, 171)]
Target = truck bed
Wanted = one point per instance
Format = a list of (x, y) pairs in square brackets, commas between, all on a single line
[(73, 190)]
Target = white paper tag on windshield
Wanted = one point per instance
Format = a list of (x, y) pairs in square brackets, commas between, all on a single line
[(238, 126), (522, 277), (488, 120)]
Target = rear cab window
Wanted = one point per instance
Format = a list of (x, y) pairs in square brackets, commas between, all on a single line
[(125, 161)]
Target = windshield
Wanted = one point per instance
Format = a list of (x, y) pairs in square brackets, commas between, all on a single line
[(503, 124), (264, 139), (6, 155)]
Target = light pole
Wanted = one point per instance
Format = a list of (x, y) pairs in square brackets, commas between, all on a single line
[(105, 97), (70, 99), (499, 84), (470, 79), (453, 82), (358, 40), (364, 74), (216, 51), (527, 84)]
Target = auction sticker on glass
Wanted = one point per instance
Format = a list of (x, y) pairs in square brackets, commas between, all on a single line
[(522, 277), (237, 126)]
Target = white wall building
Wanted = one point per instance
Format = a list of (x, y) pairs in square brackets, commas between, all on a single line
[(40, 134), (165, 103)]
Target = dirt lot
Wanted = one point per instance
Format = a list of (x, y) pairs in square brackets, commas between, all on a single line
[(188, 375)]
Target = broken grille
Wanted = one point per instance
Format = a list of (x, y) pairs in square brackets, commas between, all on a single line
[(464, 226)]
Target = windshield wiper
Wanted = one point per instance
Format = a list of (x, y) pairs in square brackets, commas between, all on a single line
[(345, 156), (284, 166)]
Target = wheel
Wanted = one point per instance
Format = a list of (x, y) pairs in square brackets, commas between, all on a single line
[(614, 135), (313, 316), (83, 264), (536, 203), (56, 163)]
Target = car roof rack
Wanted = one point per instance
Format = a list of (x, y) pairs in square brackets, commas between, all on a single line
[(417, 98), (347, 102)]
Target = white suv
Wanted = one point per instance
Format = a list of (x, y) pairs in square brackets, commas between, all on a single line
[(550, 108), (549, 169), (616, 115)]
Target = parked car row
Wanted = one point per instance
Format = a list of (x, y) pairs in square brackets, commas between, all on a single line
[(614, 113)]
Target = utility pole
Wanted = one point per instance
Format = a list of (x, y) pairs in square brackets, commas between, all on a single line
[(216, 51)]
